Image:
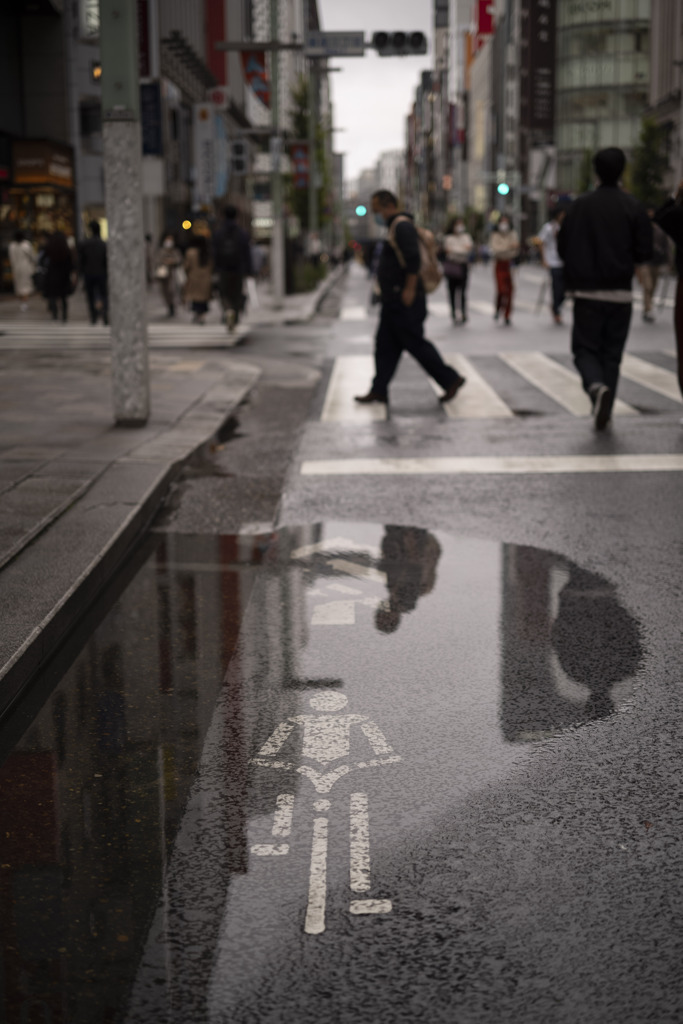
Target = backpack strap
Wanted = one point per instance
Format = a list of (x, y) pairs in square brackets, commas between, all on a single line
[(391, 239)]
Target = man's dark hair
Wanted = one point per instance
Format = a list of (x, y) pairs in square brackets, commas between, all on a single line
[(385, 198), (230, 212), (609, 164), (94, 228)]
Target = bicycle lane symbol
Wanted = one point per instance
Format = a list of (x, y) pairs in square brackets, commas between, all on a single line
[(327, 738)]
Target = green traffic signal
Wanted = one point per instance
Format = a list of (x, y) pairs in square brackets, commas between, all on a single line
[(503, 189)]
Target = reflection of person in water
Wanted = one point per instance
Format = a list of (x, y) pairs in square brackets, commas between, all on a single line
[(567, 642), (409, 559), (596, 641)]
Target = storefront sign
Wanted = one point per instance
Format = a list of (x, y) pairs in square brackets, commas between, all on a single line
[(42, 163), (150, 115), (541, 78), (256, 74), (204, 154), (298, 153)]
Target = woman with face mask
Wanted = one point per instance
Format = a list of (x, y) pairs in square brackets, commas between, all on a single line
[(168, 259), (457, 246), (504, 249)]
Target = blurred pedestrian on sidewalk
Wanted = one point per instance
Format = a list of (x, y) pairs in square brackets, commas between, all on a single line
[(59, 274), (199, 269), (605, 234), (404, 307), (232, 259), (504, 248), (457, 246), (22, 260), (551, 259), (648, 273), (93, 265), (168, 260), (670, 218)]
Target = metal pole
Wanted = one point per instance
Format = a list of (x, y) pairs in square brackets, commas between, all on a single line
[(313, 227), (123, 200), (277, 242)]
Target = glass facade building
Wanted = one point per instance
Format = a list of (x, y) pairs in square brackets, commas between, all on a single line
[(602, 79)]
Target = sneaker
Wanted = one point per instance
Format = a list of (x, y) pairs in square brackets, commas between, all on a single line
[(371, 396), (452, 390), (648, 318), (602, 405)]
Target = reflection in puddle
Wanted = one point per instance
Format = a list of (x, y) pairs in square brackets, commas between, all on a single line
[(133, 798)]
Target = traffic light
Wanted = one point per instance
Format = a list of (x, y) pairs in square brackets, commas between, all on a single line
[(361, 211), (239, 157), (399, 44), (502, 188)]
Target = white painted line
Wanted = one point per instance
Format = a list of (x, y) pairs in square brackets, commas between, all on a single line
[(370, 907), (353, 313), (334, 613), (664, 382), (317, 885), (360, 843), (351, 376), (556, 381), (361, 572), (271, 851), (282, 822), (495, 464), (340, 588), (336, 544), (476, 399)]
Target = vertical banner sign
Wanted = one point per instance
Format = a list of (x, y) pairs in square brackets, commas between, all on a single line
[(204, 153), (256, 74), (485, 24), (143, 38), (298, 154), (541, 64)]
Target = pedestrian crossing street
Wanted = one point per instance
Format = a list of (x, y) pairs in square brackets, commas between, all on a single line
[(479, 398), (42, 334)]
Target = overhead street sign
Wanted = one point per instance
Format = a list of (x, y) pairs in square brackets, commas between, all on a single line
[(335, 44)]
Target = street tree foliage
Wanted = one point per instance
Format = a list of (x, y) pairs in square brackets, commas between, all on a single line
[(649, 163), (298, 198)]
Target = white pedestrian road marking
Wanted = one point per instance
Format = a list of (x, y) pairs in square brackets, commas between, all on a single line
[(334, 613), (326, 738), (501, 464), (353, 313), (664, 382), (351, 376), (317, 885), (476, 399), (360, 843), (370, 907), (557, 382)]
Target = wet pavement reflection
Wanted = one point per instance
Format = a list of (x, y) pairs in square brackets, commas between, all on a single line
[(247, 735)]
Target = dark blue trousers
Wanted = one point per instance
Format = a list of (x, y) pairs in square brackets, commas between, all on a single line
[(401, 329)]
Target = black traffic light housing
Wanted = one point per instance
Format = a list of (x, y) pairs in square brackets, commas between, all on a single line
[(239, 156), (399, 44)]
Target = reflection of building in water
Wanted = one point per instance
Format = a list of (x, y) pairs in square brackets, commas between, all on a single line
[(409, 559), (569, 648), (97, 785)]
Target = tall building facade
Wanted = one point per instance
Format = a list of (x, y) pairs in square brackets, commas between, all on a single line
[(603, 79), (666, 80)]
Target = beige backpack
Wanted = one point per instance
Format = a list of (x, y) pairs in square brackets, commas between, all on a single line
[(430, 269)]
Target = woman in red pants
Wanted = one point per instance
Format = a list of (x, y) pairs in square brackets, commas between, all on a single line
[(670, 218), (504, 249)]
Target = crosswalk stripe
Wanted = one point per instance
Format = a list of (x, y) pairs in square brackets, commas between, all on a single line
[(353, 313), (664, 382), (83, 335), (557, 382), (476, 399), (351, 375), (501, 464)]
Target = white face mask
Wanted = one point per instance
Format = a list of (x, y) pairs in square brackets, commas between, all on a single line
[(504, 228), (168, 243), (460, 229)]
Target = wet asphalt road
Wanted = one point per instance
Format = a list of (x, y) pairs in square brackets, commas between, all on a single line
[(370, 747)]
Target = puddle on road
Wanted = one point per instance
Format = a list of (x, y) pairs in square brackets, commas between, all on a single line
[(149, 777)]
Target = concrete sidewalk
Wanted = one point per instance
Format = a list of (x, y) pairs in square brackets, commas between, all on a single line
[(76, 492)]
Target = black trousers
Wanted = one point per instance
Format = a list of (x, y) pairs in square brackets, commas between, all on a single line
[(230, 289), (557, 282), (96, 288), (455, 285), (401, 329), (598, 338)]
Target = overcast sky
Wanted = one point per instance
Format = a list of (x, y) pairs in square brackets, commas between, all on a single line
[(373, 95)]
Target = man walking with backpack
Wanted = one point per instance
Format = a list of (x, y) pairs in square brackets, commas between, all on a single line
[(407, 266), (232, 259)]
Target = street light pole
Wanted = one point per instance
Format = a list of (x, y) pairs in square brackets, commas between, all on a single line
[(123, 199), (312, 156), (277, 242)]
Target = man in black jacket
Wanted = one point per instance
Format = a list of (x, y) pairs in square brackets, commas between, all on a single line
[(404, 308), (93, 267), (232, 259), (670, 218), (605, 234)]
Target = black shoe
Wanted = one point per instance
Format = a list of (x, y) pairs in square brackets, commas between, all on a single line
[(602, 405), (452, 389), (371, 396)]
